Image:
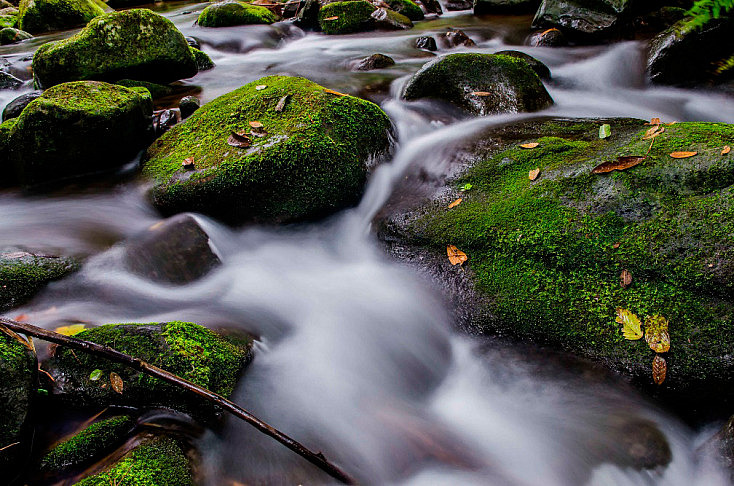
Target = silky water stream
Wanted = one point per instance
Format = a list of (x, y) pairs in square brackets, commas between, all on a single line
[(357, 355)]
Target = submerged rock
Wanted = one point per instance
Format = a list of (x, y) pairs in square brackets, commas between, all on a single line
[(481, 84), (230, 13), (455, 38), (8, 81), (548, 38), (79, 128), (135, 44), (23, 274), (584, 20), (426, 42), (308, 159), (43, 15), (375, 61)]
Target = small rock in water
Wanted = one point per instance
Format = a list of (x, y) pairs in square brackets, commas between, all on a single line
[(386, 19), (426, 42), (454, 5), (455, 38), (9, 35), (164, 120), (548, 38), (188, 105), (8, 81), (432, 6), (15, 107), (375, 61)]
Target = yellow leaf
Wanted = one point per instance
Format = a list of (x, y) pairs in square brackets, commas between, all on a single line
[(70, 330), (682, 155), (656, 333), (533, 174), (331, 91), (455, 203), (116, 382), (529, 145), (630, 324), (725, 150), (659, 369), (456, 256)]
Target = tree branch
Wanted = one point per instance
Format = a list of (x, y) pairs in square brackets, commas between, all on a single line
[(317, 459)]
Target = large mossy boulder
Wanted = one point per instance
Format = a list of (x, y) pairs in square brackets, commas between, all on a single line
[(44, 15), (481, 84), (584, 20), (503, 7), (18, 376), (230, 13), (23, 274), (545, 256), (346, 17), (406, 7), (306, 156), (79, 128), (9, 35), (132, 44), (188, 350)]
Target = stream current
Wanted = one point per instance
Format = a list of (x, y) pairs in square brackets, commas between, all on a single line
[(357, 355)]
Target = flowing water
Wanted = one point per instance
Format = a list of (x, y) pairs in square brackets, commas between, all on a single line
[(357, 355)]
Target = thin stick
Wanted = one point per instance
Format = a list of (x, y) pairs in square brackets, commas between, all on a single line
[(317, 459)]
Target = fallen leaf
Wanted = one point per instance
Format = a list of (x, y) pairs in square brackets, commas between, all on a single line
[(466, 187), (605, 131), (116, 382), (625, 279), (725, 150), (239, 140), (621, 163), (456, 256), (656, 333), (552, 29), (529, 145), (95, 375), (256, 124), (260, 87), (455, 203), (653, 132), (616, 245), (480, 93), (654, 121), (331, 91), (671, 123), (70, 330), (682, 155), (188, 163), (659, 369), (332, 18), (533, 174), (281, 104), (631, 325)]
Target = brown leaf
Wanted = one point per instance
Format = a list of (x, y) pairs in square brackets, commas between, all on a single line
[(653, 132), (480, 93), (281, 104), (533, 174), (654, 121), (455, 203), (331, 91), (456, 256), (332, 18), (621, 163), (116, 382), (725, 150), (625, 279), (188, 163), (656, 333), (260, 87), (529, 145), (659, 369), (239, 140), (616, 245), (682, 155), (256, 124)]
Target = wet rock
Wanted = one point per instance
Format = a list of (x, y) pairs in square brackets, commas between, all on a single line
[(193, 42), (44, 15), (79, 128), (375, 61), (346, 17), (659, 20), (407, 8), (176, 251), (203, 61), (156, 90), (586, 21), (229, 13), (642, 444), (540, 69), (481, 84), (426, 42), (163, 120), (9, 35), (23, 274), (455, 38), (432, 6), (18, 381), (8, 81), (685, 55), (8, 179), (241, 177), (308, 15), (721, 446), (385, 19), (503, 7), (548, 38), (183, 348), (188, 105), (456, 5), (135, 44), (290, 9)]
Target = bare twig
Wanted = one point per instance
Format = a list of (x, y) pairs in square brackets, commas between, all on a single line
[(317, 459), (9, 446)]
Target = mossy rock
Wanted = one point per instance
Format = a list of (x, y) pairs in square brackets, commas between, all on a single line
[(44, 15), (18, 377), (481, 84), (132, 44), (9, 35), (79, 128), (23, 274), (9, 179), (183, 348), (504, 7), (311, 160), (386, 19), (545, 256), (91, 443), (406, 7), (346, 17), (8, 21), (540, 69), (230, 13), (156, 90), (157, 462), (203, 61)]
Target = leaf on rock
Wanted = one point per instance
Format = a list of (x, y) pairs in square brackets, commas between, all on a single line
[(466, 187), (725, 150), (116, 382), (260, 87), (239, 140), (70, 330), (659, 369), (631, 325), (281, 104), (95, 375), (455, 203), (456, 256), (653, 132), (188, 163), (256, 124), (654, 121), (622, 163), (331, 18), (480, 93), (533, 174), (682, 155), (605, 131), (331, 91), (625, 279), (656, 333), (529, 145)]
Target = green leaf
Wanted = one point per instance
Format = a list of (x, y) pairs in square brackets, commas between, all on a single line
[(466, 187), (630, 324), (605, 130), (95, 375)]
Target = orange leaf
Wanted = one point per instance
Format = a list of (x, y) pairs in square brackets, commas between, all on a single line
[(553, 29), (331, 91), (529, 145), (625, 279), (116, 382), (725, 150), (533, 174), (260, 87), (332, 18), (682, 155), (256, 124), (188, 163), (621, 163), (239, 140), (653, 132), (654, 121), (455, 203), (659, 369), (456, 256), (480, 93)]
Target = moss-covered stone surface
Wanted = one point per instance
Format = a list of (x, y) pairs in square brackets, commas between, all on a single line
[(23, 274), (406, 7), (43, 15), (78, 128), (203, 61), (346, 17), (545, 256), (310, 160), (132, 44), (185, 349), (9, 35), (230, 13), (481, 84)]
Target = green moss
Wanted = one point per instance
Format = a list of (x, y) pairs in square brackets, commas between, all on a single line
[(155, 90), (132, 44), (549, 252), (229, 13), (203, 61), (311, 161), (44, 15), (10, 35), (93, 442), (22, 275), (160, 462), (346, 17), (8, 21), (406, 7)]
